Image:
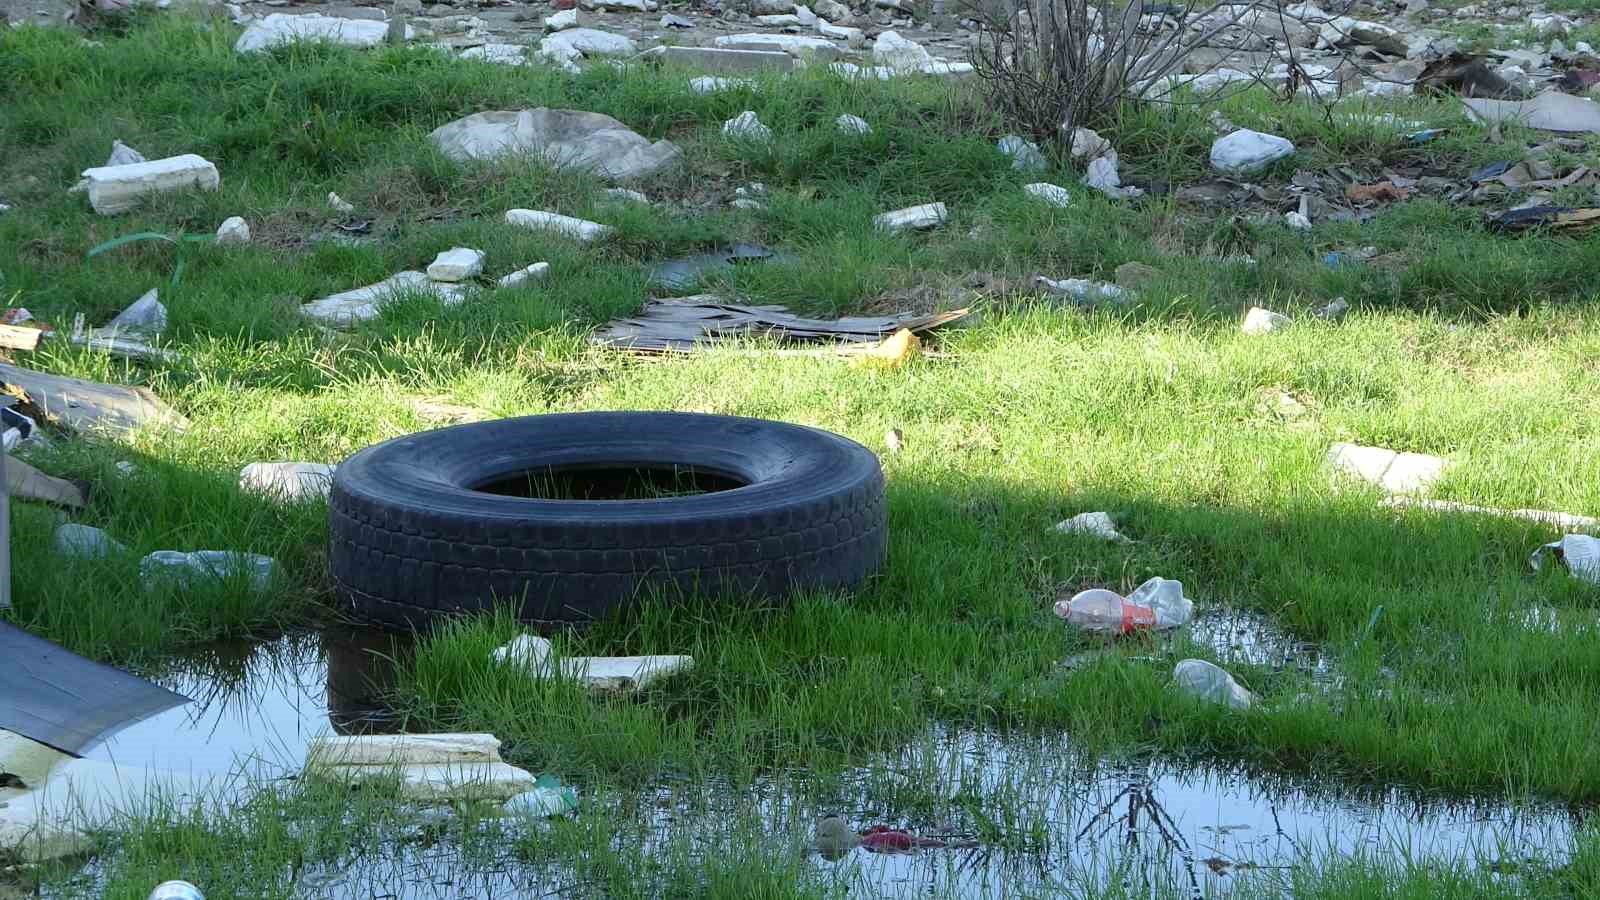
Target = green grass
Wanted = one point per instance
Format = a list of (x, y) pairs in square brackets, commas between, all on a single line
[(1465, 344)]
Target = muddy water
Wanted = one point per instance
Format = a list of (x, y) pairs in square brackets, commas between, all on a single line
[(1045, 819)]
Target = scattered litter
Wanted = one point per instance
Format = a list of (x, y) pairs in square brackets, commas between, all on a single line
[(1581, 553), (848, 124), (1023, 153), (364, 303), (1566, 521), (835, 839), (1209, 682), (1468, 76), (1158, 604), (894, 440), (689, 323), (339, 204), (565, 138), (117, 189), (1557, 218), (1087, 144), (89, 406), (1395, 472), (928, 215), (456, 264), (14, 337), (1297, 220), (602, 674), (145, 315), (1083, 290), (1103, 177), (429, 767), (746, 126), (895, 52), (562, 20), (287, 482), (175, 890), (577, 229), (1245, 151), (233, 230), (893, 350), (1333, 310), (1550, 111), (27, 483), (186, 570), (85, 542), (712, 84), (548, 798), (1383, 191), (1093, 524), (1055, 195), (1264, 321), (536, 272), (123, 155), (126, 343)]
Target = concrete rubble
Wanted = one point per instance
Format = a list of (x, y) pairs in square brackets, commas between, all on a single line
[(233, 230), (912, 218), (280, 28), (746, 127), (1394, 471), (536, 272), (602, 674), (456, 264), (365, 303), (117, 189), (287, 482), (566, 226), (430, 768), (564, 138)]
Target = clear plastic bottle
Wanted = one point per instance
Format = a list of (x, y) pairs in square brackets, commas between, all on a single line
[(1158, 603)]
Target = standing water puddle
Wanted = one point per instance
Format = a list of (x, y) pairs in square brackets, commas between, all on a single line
[(1044, 818)]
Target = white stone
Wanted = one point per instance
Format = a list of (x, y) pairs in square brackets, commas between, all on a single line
[(1023, 153), (1085, 290), (610, 674), (746, 126), (564, 138), (123, 155), (780, 21), (832, 10), (1093, 524), (456, 264), (712, 84), (852, 36), (1245, 151), (1394, 472), (927, 215), (567, 46), (116, 189), (536, 272), (339, 205), (233, 230), (502, 54), (145, 315), (898, 53), (805, 15), (1549, 24), (561, 21), (671, 21), (1262, 321), (538, 220), (848, 124), (746, 203), (85, 542), (287, 482), (402, 749), (1055, 195), (1103, 177), (1297, 220), (364, 303), (626, 196), (792, 44), (187, 570), (278, 28)]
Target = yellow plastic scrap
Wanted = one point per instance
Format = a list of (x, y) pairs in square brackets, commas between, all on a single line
[(894, 350)]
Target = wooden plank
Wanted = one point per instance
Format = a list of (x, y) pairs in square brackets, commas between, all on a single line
[(15, 337)]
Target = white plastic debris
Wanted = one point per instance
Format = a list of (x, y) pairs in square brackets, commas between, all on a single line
[(928, 215), (1208, 682), (1297, 220), (1103, 177), (535, 272), (715, 84), (1333, 309), (1245, 151), (1053, 194), (116, 189), (543, 801), (1023, 153), (538, 220), (895, 52), (1158, 603), (611, 674), (176, 889), (427, 767), (1581, 553), (746, 126), (1093, 524), (123, 155), (145, 315), (1087, 144), (190, 569), (339, 205), (287, 482), (85, 542), (848, 124), (1084, 290), (233, 230), (364, 303), (1264, 321), (1395, 472), (456, 264)]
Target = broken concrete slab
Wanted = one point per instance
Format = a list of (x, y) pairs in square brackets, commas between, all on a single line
[(1550, 111), (287, 482), (799, 46), (586, 42), (1393, 471), (117, 189), (568, 226), (364, 303), (89, 406), (500, 54), (604, 674), (399, 749), (713, 84), (927, 215), (456, 264), (426, 767), (901, 54), (722, 60), (565, 138), (279, 28), (536, 272)]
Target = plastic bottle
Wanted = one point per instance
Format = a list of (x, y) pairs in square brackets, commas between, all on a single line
[(549, 797), (176, 890), (1158, 603), (1208, 682)]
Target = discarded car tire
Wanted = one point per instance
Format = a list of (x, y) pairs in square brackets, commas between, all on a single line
[(460, 520)]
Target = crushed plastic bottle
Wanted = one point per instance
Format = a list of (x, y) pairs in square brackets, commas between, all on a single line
[(176, 890), (549, 797), (1209, 682), (1158, 603)]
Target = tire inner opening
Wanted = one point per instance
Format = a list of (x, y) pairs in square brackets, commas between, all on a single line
[(615, 482)]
